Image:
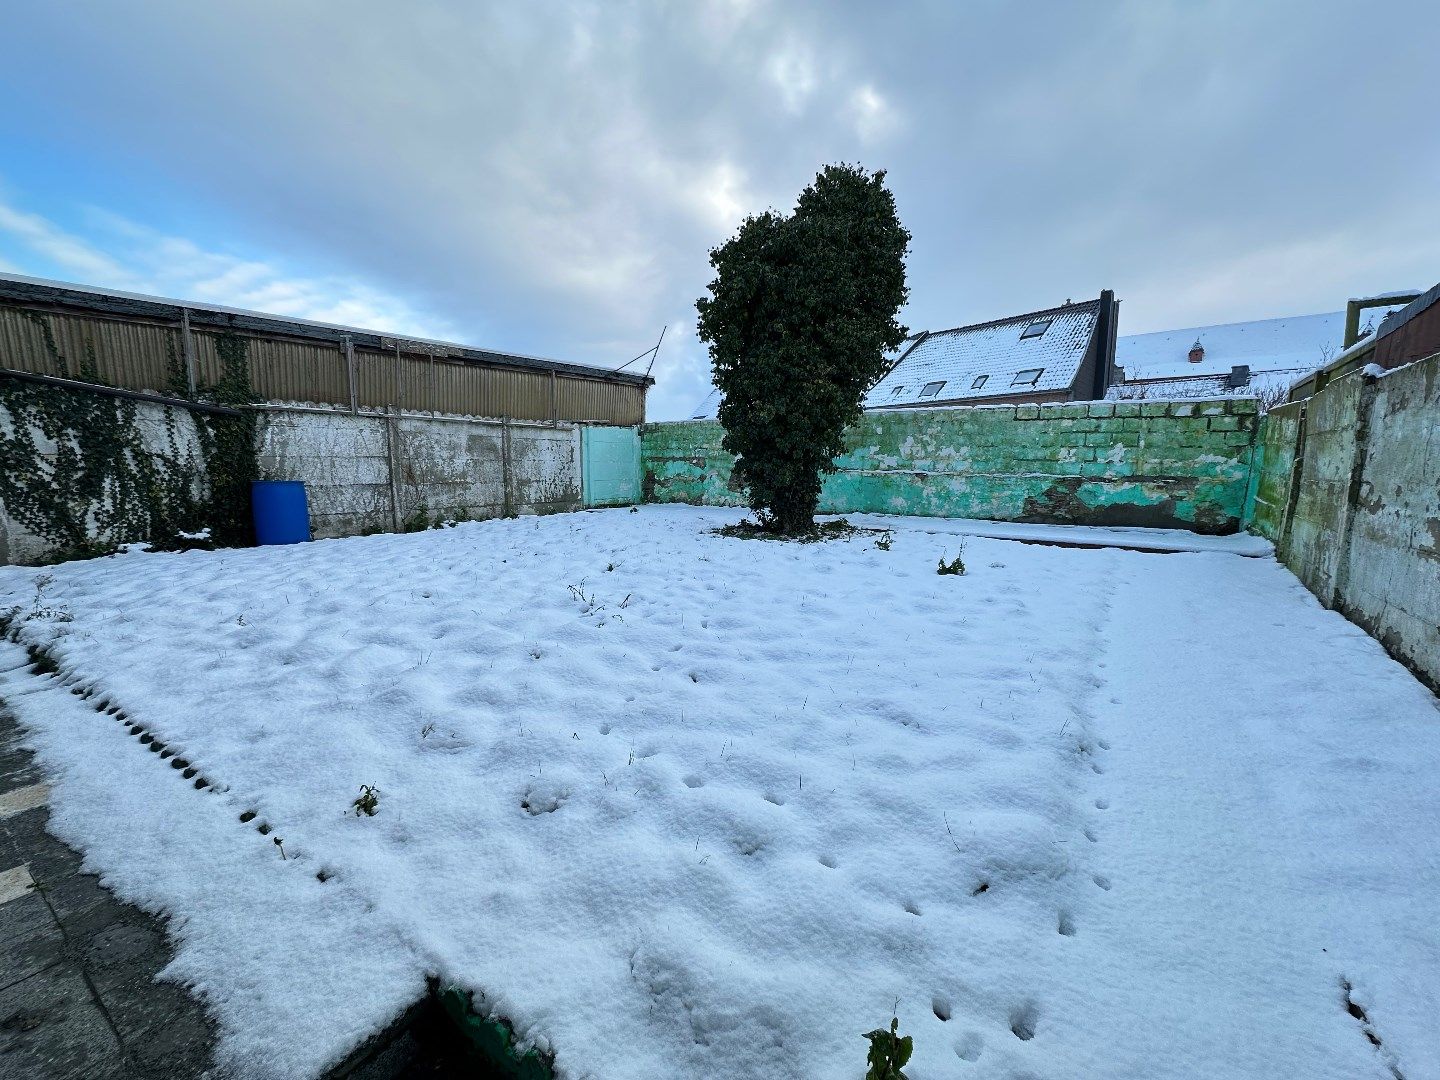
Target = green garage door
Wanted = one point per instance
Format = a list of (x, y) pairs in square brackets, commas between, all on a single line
[(610, 465)]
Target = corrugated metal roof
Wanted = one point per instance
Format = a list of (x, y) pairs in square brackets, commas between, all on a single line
[(993, 359), (86, 297)]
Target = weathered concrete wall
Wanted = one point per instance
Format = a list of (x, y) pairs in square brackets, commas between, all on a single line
[(1165, 464), (1311, 539), (1391, 579), (444, 468), (168, 434), (1351, 496), (1274, 472)]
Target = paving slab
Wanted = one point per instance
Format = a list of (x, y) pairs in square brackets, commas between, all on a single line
[(79, 994)]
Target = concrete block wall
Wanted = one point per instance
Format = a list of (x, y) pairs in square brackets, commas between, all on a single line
[(447, 468), (1164, 464), (156, 424), (1350, 493)]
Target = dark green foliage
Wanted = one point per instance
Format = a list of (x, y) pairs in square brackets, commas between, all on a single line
[(889, 1050), (228, 445), (369, 801), (800, 317), (955, 566), (103, 485), (419, 521), (101, 480)]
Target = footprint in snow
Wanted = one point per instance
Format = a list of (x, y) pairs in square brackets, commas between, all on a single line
[(1023, 1019), (969, 1046)]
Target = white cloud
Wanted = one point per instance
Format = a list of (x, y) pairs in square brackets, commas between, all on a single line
[(873, 117), (792, 70), (119, 254)]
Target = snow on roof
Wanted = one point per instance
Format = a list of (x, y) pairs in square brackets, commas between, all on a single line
[(1187, 387), (1032, 353), (709, 409), (1298, 341), (994, 354)]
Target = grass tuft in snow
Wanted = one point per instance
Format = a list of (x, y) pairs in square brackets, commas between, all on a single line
[(955, 566), (368, 802), (889, 1051)]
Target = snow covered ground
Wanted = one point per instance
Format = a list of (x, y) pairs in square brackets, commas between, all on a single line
[(682, 805)]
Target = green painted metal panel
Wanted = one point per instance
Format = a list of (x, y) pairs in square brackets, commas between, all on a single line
[(610, 465)]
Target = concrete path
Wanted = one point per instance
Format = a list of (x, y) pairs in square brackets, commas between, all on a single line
[(78, 993)]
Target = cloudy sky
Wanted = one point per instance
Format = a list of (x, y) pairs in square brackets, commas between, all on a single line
[(548, 177)]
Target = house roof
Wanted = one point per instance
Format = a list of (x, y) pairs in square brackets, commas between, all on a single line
[(18, 288), (709, 409), (1303, 342), (957, 358), (1171, 388), (986, 359)]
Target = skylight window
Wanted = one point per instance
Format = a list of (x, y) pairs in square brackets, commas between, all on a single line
[(897, 391), (930, 389), (1028, 377), (1036, 328), (980, 380)]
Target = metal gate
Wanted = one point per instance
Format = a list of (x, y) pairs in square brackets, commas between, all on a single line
[(610, 465)]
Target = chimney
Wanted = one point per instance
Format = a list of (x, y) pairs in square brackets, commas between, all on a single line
[(1106, 322), (1197, 352), (1239, 376)]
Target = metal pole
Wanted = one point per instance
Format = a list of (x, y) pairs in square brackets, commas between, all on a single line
[(656, 353), (506, 505), (348, 348), (391, 452), (187, 343)]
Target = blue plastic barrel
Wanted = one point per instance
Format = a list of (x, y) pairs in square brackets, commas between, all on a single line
[(282, 515)]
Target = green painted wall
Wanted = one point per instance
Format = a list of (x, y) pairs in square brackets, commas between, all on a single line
[(1163, 464), (1274, 469)]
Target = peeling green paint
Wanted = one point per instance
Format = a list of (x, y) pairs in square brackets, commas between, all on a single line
[(1176, 465)]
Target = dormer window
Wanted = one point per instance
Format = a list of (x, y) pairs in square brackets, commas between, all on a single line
[(930, 389), (1036, 328)]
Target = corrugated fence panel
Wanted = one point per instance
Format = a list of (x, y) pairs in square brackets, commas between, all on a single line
[(129, 354), (298, 371), (144, 355)]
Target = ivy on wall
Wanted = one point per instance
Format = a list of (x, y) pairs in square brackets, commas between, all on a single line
[(77, 470)]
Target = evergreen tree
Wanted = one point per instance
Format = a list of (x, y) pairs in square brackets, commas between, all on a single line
[(800, 317)]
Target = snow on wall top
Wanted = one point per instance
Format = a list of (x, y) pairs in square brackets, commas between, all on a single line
[(1298, 342), (991, 359)]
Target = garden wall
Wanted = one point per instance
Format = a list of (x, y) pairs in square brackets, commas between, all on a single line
[(1350, 493), (1162, 464), (443, 468), (84, 471)]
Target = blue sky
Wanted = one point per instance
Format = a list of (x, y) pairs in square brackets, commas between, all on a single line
[(548, 177)]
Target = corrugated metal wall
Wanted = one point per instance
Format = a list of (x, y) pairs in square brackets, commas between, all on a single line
[(138, 354)]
